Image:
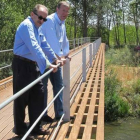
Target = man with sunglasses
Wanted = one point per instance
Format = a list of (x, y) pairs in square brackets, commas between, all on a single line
[(30, 51), (55, 33)]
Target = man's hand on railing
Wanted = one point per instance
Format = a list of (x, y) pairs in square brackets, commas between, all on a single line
[(63, 60), (54, 67), (69, 57)]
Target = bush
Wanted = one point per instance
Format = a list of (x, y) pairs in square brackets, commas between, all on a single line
[(136, 87), (121, 56), (115, 106)]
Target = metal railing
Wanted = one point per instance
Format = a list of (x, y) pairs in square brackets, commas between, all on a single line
[(78, 42), (9, 50), (90, 50), (74, 43)]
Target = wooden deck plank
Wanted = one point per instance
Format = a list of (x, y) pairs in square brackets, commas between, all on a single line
[(100, 122), (5, 110), (63, 131), (6, 93), (76, 128), (5, 120), (78, 120), (90, 116), (64, 128), (4, 80)]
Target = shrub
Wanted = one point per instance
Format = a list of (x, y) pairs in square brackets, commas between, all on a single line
[(115, 106), (123, 56), (136, 87)]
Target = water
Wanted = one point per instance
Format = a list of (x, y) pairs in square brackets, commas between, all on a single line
[(128, 129)]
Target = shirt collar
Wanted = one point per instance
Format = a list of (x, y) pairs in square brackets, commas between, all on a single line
[(32, 21), (58, 20)]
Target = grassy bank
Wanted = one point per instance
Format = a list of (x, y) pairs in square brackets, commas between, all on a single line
[(122, 83)]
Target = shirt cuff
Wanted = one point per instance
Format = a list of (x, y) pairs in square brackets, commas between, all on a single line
[(47, 64), (54, 60)]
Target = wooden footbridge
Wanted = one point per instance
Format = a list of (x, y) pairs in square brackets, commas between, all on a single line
[(87, 107)]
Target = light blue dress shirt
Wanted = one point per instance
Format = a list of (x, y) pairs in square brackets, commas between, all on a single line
[(30, 43), (55, 33)]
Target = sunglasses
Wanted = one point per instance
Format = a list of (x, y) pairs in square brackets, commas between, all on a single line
[(40, 17)]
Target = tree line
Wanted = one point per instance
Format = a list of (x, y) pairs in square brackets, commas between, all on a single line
[(117, 22)]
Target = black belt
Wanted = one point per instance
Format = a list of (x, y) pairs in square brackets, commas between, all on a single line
[(25, 59)]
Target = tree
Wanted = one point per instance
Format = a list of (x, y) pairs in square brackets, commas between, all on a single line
[(134, 16)]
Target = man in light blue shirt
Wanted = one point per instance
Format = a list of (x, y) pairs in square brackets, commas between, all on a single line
[(55, 33), (30, 43), (30, 51)]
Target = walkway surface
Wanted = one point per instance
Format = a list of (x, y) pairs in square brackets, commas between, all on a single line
[(88, 106)]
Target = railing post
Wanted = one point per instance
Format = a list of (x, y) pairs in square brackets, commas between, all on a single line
[(78, 42), (97, 45), (69, 44), (94, 51), (84, 64), (90, 55), (74, 43), (66, 95)]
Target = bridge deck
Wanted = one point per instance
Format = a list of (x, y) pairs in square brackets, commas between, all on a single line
[(88, 108)]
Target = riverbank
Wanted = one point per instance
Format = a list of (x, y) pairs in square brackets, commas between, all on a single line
[(122, 84)]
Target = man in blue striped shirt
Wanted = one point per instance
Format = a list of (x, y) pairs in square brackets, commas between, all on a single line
[(55, 33), (30, 51)]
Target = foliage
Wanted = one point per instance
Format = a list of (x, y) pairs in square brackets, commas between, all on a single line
[(93, 17), (102, 18), (124, 55), (130, 35), (115, 106), (136, 87), (132, 94), (122, 97)]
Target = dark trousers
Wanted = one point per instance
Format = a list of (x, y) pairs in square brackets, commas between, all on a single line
[(25, 72)]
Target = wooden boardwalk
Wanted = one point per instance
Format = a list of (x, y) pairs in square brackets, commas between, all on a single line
[(88, 107)]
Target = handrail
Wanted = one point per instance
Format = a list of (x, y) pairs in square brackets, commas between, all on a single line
[(76, 71), (75, 93), (6, 50), (56, 129), (76, 53), (69, 40), (6, 82), (15, 96), (83, 40), (5, 67), (38, 119)]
